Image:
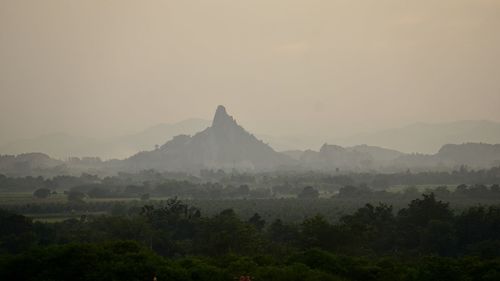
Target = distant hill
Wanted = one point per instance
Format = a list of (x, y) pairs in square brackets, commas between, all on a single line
[(335, 157), (364, 158), (224, 145), (451, 156), (428, 138), (30, 164), (64, 145), (230, 147), (417, 138), (474, 154), (379, 154)]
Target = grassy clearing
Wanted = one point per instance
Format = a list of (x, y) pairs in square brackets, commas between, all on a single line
[(27, 198), (58, 217)]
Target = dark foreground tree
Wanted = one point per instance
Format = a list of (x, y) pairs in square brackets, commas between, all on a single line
[(308, 193), (42, 193)]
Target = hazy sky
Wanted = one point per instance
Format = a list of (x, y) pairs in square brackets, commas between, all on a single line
[(101, 68)]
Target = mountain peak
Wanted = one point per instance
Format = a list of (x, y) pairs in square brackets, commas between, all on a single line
[(221, 118), (224, 145), (220, 110)]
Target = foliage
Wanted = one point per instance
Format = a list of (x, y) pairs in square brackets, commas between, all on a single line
[(42, 193), (173, 241), (308, 193)]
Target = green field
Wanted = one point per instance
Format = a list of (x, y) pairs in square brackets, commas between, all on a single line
[(27, 198), (58, 217)]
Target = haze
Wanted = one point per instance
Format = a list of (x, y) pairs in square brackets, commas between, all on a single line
[(319, 68)]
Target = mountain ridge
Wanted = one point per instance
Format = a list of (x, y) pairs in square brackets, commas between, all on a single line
[(225, 144), (419, 137)]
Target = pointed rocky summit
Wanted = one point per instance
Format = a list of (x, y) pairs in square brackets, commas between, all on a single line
[(222, 119), (221, 115)]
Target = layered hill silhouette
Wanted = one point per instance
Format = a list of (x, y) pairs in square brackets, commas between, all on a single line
[(223, 145), (62, 145), (228, 146), (428, 138), (355, 158), (363, 158)]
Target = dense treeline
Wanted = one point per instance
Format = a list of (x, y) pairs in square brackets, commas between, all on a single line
[(221, 184), (294, 209), (127, 260), (460, 192), (423, 241), (289, 209)]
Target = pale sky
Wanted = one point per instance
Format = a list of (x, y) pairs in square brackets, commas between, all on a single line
[(102, 68)]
